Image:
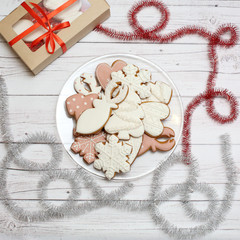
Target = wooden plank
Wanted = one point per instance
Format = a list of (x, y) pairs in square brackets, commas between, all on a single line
[(186, 65), (140, 234), (108, 221)]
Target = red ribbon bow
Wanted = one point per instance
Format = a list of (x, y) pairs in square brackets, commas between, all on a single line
[(50, 36)]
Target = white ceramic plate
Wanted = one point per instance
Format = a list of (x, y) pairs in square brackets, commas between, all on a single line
[(149, 161)]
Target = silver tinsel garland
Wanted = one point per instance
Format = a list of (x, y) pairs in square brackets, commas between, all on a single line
[(211, 217)]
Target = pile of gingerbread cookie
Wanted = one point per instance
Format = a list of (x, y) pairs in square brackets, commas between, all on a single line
[(119, 114)]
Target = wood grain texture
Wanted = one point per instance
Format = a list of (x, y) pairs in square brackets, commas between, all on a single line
[(32, 103)]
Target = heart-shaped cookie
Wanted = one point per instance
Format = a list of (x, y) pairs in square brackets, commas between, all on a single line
[(103, 71)]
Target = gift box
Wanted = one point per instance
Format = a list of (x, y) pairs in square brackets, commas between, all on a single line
[(39, 31)]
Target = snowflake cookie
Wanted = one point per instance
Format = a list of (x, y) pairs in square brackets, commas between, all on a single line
[(136, 79), (113, 156), (85, 146)]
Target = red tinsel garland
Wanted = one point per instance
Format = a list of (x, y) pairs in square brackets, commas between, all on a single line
[(214, 40)]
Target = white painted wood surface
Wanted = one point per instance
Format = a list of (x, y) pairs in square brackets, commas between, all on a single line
[(32, 108)]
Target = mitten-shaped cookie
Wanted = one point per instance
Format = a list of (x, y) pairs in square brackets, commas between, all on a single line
[(78, 103)]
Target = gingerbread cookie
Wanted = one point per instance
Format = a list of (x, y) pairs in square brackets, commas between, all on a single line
[(85, 146), (79, 103), (167, 133), (149, 143), (93, 120), (113, 157), (88, 91), (103, 71), (87, 84), (136, 79), (154, 113), (126, 121), (161, 92)]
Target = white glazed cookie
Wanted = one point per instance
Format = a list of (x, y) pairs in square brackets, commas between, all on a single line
[(93, 120), (126, 121), (23, 25), (89, 80), (154, 113), (161, 92), (135, 79), (68, 14), (112, 157), (136, 144)]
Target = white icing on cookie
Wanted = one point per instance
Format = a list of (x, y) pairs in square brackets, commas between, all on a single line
[(161, 92), (127, 119), (122, 92), (68, 14), (84, 81), (94, 119), (23, 25), (135, 79), (154, 113), (136, 143), (85, 146), (112, 157)]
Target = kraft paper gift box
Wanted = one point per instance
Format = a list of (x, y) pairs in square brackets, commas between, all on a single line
[(37, 59)]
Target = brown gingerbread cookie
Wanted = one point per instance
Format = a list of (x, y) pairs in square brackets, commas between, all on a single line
[(103, 71), (150, 143), (85, 146)]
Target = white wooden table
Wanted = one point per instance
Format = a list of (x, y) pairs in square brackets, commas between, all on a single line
[(33, 101)]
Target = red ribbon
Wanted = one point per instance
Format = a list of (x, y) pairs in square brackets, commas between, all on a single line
[(50, 36)]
